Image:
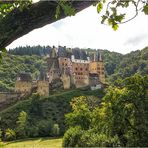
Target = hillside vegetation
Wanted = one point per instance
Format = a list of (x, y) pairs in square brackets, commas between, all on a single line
[(42, 113), (13, 64)]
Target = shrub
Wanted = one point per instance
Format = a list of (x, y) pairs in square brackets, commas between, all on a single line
[(72, 137), (45, 127), (10, 135), (94, 139), (55, 130), (0, 134)]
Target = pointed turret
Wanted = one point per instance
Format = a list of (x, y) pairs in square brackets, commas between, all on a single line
[(53, 53), (100, 56)]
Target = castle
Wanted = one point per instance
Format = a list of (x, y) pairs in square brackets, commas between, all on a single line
[(66, 68)]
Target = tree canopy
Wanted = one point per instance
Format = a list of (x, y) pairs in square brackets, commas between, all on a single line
[(18, 18), (120, 120)]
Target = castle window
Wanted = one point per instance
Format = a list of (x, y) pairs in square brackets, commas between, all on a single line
[(63, 64), (102, 73), (65, 59), (81, 68), (102, 68), (76, 68), (86, 69)]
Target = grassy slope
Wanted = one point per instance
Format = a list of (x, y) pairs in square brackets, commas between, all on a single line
[(33, 143)]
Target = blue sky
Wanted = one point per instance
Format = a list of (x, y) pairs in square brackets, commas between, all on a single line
[(85, 30)]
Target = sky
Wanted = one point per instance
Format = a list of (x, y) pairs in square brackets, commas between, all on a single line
[(84, 30)]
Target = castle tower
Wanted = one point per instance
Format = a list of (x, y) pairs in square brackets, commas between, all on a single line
[(43, 85), (23, 83), (53, 66), (80, 68), (97, 67)]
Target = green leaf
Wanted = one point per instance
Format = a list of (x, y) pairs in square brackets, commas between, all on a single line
[(120, 17), (68, 9), (145, 9), (110, 21), (4, 50), (0, 58), (57, 12), (104, 17), (99, 7), (115, 27)]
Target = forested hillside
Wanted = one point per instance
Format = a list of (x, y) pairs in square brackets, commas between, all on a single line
[(11, 65), (42, 113), (32, 59), (134, 62)]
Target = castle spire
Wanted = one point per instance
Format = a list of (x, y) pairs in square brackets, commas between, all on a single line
[(53, 52), (94, 56), (100, 57)]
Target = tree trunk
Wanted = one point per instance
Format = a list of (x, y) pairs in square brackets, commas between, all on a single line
[(18, 23)]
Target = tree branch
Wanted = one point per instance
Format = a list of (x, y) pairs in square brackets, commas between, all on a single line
[(18, 23)]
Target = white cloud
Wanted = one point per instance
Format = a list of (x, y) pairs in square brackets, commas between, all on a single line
[(84, 30)]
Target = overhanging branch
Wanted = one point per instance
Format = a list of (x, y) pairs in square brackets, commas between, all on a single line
[(19, 23)]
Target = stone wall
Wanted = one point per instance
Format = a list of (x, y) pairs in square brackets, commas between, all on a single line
[(7, 99), (23, 86), (66, 81)]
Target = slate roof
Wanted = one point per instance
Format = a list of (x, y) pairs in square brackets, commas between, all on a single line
[(24, 77)]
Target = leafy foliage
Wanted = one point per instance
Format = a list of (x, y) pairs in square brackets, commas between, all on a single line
[(12, 65), (66, 7), (119, 120), (7, 7), (10, 134), (22, 124), (113, 11), (145, 9), (55, 130)]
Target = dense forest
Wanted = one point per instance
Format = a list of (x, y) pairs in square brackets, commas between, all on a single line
[(33, 59)]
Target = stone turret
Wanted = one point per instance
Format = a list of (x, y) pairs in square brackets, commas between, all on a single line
[(43, 84), (97, 66), (53, 66)]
